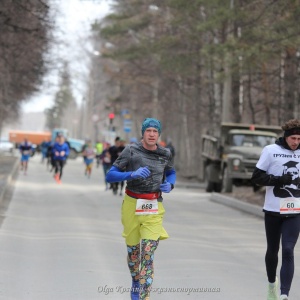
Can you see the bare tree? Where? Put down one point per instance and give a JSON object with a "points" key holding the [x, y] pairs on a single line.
{"points": [[24, 39]]}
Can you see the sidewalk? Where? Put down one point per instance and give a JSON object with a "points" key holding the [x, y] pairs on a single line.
{"points": [[8, 171], [223, 199]]}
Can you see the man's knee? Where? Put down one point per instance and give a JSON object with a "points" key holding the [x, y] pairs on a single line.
{"points": [[288, 250]]}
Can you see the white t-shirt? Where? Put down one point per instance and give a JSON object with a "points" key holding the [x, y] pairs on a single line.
{"points": [[278, 161]]}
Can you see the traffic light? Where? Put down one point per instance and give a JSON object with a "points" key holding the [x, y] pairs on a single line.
{"points": [[111, 117]]}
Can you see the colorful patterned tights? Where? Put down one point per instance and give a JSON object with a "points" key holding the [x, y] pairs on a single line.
{"points": [[140, 263]]}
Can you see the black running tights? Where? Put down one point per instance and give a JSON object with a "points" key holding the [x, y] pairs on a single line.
{"points": [[288, 230], [59, 164]]}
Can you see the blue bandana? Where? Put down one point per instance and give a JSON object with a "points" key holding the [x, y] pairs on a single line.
{"points": [[151, 122]]}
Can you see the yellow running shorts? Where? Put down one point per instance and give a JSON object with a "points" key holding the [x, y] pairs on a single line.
{"points": [[137, 227]]}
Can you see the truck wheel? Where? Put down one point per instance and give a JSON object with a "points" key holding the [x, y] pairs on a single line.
{"points": [[210, 186], [226, 182], [73, 154], [218, 187]]}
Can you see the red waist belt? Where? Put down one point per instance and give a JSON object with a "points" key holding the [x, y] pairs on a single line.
{"points": [[148, 196]]}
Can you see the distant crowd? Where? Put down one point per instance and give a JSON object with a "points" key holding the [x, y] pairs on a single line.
{"points": [[102, 153]]}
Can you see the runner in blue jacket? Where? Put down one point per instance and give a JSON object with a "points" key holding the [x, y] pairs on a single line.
{"points": [[60, 153]]}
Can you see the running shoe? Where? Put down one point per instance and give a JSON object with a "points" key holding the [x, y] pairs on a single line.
{"points": [[284, 297], [135, 290], [56, 177], [272, 290]]}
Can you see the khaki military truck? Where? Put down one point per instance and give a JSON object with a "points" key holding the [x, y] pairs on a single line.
{"points": [[230, 159]]}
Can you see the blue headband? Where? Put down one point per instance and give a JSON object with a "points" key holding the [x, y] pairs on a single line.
{"points": [[151, 122]]}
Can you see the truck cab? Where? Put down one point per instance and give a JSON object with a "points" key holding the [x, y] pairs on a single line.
{"points": [[240, 155], [230, 159]]}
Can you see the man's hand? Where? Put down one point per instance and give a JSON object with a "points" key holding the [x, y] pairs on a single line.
{"points": [[285, 179], [296, 181], [62, 153], [166, 187], [142, 172]]}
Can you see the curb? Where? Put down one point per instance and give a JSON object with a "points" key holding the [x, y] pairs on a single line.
{"points": [[9, 179], [237, 204], [225, 200], [189, 185]]}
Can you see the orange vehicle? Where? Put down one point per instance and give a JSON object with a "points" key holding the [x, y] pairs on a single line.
{"points": [[35, 137]]}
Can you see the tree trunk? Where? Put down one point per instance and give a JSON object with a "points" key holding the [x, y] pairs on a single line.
{"points": [[266, 89], [290, 84]]}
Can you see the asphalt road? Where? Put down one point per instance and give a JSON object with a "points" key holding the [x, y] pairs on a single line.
{"points": [[64, 242]]}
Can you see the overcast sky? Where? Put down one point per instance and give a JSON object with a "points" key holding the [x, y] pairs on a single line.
{"points": [[73, 19]]}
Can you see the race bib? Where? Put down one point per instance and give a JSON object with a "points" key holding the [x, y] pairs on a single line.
{"points": [[25, 152], [146, 207], [290, 206], [90, 157]]}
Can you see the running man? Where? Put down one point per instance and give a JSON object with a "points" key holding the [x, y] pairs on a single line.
{"points": [[114, 153], [26, 151], [50, 155], [83, 148], [278, 170], [106, 162], [44, 149], [99, 150], [149, 170], [120, 149], [60, 152], [89, 154]]}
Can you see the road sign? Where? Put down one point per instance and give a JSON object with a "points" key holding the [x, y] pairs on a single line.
{"points": [[127, 125], [124, 112]]}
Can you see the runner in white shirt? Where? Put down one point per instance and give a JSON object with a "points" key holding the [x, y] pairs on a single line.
{"points": [[278, 170]]}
